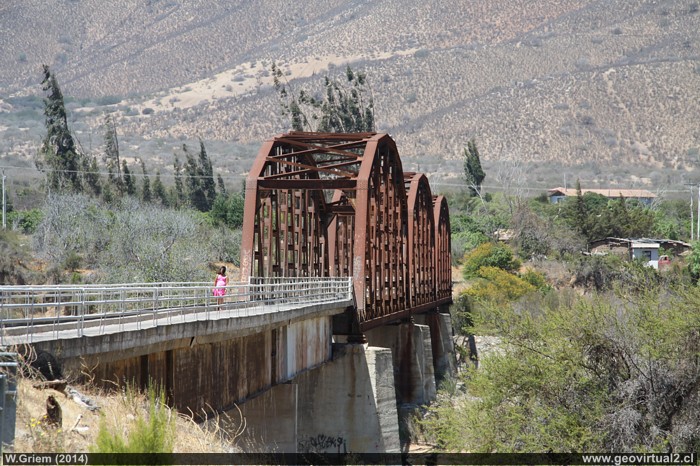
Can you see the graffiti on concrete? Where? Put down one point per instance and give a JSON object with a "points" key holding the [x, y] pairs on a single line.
{"points": [[322, 444]]}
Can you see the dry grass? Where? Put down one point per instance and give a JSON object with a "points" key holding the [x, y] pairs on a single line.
{"points": [[119, 410]]}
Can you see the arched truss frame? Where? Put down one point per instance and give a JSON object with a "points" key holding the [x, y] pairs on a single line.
{"points": [[443, 249], [320, 204], [421, 241]]}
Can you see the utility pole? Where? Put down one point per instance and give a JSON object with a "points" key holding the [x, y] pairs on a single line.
{"points": [[4, 204]]}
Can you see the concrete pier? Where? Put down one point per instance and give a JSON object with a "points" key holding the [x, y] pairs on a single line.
{"points": [[346, 405]]}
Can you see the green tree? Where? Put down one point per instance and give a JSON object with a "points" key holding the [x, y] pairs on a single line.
{"points": [[159, 191], [693, 262], [473, 173], [111, 155], [91, 174], [61, 158], [129, 184], [201, 188], [207, 183], [222, 186], [228, 210], [146, 195], [177, 194], [347, 105]]}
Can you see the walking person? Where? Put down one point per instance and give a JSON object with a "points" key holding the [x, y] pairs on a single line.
{"points": [[220, 283]]}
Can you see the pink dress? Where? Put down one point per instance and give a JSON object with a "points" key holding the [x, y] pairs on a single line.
{"points": [[220, 282]]}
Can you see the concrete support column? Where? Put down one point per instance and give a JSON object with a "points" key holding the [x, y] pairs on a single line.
{"points": [[442, 343], [411, 348]]}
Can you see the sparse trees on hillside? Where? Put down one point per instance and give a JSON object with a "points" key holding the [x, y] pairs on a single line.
{"points": [[60, 157], [346, 106]]}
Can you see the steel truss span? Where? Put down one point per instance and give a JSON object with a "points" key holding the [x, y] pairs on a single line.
{"points": [[340, 205]]}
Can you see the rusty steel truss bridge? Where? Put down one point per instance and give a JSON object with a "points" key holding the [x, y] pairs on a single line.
{"points": [[341, 205]]}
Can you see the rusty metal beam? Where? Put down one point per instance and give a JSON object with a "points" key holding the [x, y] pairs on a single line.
{"points": [[312, 184], [309, 168], [402, 315]]}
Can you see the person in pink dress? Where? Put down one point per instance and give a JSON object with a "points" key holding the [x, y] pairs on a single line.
{"points": [[220, 284]]}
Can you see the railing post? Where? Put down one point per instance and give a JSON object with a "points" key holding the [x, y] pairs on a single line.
{"points": [[83, 306], [8, 394]]}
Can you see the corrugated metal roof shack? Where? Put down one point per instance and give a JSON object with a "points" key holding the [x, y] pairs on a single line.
{"points": [[635, 248]]}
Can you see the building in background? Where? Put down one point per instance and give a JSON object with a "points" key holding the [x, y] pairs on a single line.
{"points": [[642, 195]]}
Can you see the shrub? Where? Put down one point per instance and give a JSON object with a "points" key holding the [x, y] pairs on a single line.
{"points": [[489, 255], [156, 434], [26, 220], [614, 372], [536, 279], [228, 209], [496, 284]]}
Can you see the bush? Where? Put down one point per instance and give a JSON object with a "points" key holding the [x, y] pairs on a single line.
{"points": [[489, 255], [497, 285], [228, 209], [536, 279], [613, 372], [153, 435], [26, 221]]}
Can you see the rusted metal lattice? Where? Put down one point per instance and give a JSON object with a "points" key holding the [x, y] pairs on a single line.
{"points": [[321, 204]]}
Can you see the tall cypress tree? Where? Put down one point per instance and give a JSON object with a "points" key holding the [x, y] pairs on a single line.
{"points": [[91, 174], [112, 155], [201, 187], [207, 176], [159, 190], [146, 186], [178, 191], [61, 158], [473, 173], [129, 185]]}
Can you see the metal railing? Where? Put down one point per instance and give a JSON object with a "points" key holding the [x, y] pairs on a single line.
{"points": [[26, 310]]}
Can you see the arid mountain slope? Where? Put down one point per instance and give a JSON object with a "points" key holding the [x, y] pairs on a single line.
{"points": [[578, 86]]}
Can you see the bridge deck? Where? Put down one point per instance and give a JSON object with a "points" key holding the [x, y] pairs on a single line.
{"points": [[276, 298]]}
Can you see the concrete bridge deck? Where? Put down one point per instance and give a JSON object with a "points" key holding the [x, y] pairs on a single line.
{"points": [[60, 313]]}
